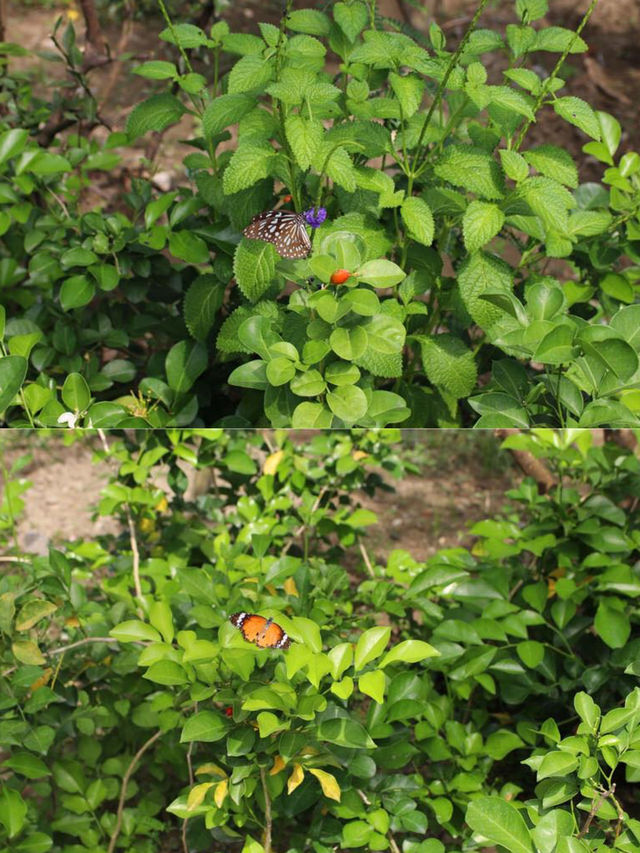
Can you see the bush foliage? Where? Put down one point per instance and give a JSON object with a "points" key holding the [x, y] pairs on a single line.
{"points": [[486, 283], [488, 696]]}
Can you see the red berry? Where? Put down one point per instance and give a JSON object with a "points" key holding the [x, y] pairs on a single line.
{"points": [[229, 711], [340, 276]]}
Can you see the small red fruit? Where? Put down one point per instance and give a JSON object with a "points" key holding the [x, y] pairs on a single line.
{"points": [[286, 198], [229, 711], [340, 276]]}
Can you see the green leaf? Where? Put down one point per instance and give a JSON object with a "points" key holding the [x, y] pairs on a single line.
{"points": [[308, 21], [225, 110], [134, 631], [185, 361], [201, 305], [76, 291], [156, 113], [249, 164], [304, 137], [161, 618], [311, 416], [471, 168], [380, 273], [613, 353], [559, 39], [188, 247], [555, 163], [557, 763], [344, 732], [513, 100], [385, 334], [483, 274], [13, 811], [373, 684], [311, 383], [184, 35], [75, 393], [500, 823], [480, 224], [253, 374], [418, 218], [166, 672], [13, 369], [280, 371], [157, 69], [579, 113], [205, 726], [612, 625], [449, 364], [28, 765], [409, 651], [352, 18], [557, 346], [348, 402], [409, 90], [249, 74], [587, 709], [12, 142], [370, 645], [531, 653], [349, 344], [254, 266]]}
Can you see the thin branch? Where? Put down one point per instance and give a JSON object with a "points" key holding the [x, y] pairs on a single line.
{"points": [[136, 556], [302, 527], [595, 805], [366, 559], [62, 649], [185, 847], [266, 841], [15, 559], [125, 781]]}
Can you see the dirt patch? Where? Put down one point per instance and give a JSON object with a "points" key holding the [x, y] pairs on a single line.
{"points": [[65, 488], [462, 479], [607, 77]]}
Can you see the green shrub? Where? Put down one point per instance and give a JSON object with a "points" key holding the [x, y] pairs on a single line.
{"points": [[488, 696], [443, 217]]}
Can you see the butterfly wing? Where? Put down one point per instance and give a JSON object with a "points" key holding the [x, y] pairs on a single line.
{"points": [[263, 632], [284, 229]]}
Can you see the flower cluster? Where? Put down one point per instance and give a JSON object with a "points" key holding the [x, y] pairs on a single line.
{"points": [[313, 218]]}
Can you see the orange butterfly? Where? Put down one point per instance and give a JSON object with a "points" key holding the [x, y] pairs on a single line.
{"points": [[265, 633]]}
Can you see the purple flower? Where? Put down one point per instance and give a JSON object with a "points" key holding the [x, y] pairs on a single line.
{"points": [[314, 219]]}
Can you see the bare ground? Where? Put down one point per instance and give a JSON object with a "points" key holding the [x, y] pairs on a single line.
{"points": [[461, 481]]}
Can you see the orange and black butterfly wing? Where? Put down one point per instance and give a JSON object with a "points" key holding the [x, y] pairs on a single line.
{"points": [[263, 632]]}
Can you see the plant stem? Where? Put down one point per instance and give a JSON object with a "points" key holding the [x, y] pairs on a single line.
{"points": [[549, 80], [266, 841], [441, 87]]}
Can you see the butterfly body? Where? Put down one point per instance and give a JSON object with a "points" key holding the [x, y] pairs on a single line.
{"points": [[265, 633], [284, 229]]}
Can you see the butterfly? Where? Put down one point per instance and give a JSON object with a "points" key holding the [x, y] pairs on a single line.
{"points": [[265, 633], [286, 230]]}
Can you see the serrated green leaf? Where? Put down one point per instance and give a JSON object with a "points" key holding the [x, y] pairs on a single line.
{"points": [[471, 168], [553, 162], [480, 224], [201, 305], [249, 74], [304, 137], [254, 266], [156, 113], [225, 110], [480, 274], [448, 364], [578, 112], [248, 165], [418, 218]]}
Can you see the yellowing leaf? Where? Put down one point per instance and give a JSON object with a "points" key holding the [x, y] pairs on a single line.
{"points": [[196, 795], [211, 769], [27, 652], [72, 622], [359, 454], [271, 462], [551, 590], [40, 682], [33, 611], [329, 784], [295, 779], [220, 792], [147, 525], [162, 505], [290, 587], [278, 765]]}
